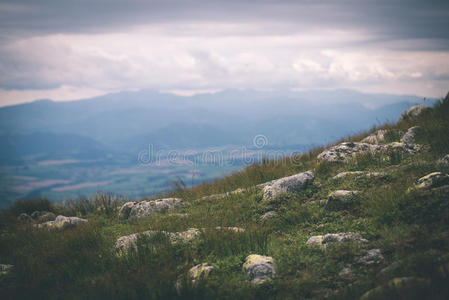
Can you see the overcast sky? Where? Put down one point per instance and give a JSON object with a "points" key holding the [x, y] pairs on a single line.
{"points": [[76, 49]]}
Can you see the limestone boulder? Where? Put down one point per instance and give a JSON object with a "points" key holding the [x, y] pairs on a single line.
{"points": [[259, 268], [63, 222], [413, 112], [410, 136], [330, 238], [147, 208], [345, 151], [129, 242], [376, 137], [290, 184]]}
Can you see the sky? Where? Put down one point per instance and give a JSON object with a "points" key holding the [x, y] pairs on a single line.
{"points": [[65, 50]]}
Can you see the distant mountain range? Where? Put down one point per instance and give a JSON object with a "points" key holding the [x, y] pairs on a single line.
{"points": [[125, 122]]}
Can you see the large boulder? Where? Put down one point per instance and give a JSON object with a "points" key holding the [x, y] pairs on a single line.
{"points": [[63, 222], [410, 136], [432, 180], [259, 268], [290, 184], [413, 112], [147, 208], [330, 238], [128, 242], [376, 137]]}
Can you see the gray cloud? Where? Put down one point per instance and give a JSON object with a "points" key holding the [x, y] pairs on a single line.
{"points": [[408, 19], [104, 45]]}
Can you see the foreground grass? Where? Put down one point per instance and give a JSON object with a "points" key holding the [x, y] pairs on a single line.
{"points": [[409, 227]]}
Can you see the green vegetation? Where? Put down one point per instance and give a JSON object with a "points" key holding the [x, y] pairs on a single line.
{"points": [[410, 227]]}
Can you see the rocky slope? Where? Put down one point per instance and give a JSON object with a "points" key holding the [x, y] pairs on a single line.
{"points": [[366, 218]]}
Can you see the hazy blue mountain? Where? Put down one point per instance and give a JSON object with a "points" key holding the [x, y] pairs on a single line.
{"points": [[63, 149]]}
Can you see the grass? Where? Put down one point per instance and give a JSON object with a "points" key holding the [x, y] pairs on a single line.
{"points": [[409, 226]]}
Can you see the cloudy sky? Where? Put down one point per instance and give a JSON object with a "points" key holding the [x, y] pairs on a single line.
{"points": [[76, 49]]}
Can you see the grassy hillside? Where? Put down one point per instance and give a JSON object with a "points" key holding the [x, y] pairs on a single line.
{"points": [[409, 226]]}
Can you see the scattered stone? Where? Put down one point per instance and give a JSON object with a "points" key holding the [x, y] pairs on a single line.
{"points": [[410, 136], [269, 215], [401, 147], [5, 269], [62, 222], [344, 151], [413, 112], [432, 180], [199, 272], [128, 242], [341, 198], [43, 216], [24, 218], [397, 286], [147, 208], [322, 240], [376, 137], [235, 229], [259, 269], [290, 184], [373, 256]]}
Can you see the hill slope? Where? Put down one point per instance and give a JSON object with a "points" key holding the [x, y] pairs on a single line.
{"points": [[364, 223]]}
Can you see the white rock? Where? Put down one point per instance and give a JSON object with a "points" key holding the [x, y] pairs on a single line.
{"points": [[259, 268], [410, 136], [413, 112], [63, 222], [345, 151], [376, 137], [290, 184], [323, 240], [147, 208], [128, 242]]}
